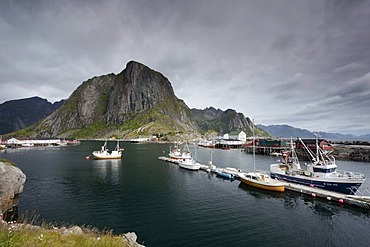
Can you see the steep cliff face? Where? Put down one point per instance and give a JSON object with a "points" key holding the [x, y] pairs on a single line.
{"points": [[137, 89], [18, 114], [137, 101]]}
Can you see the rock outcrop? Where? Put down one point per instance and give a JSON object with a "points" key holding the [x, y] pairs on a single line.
{"points": [[12, 180]]}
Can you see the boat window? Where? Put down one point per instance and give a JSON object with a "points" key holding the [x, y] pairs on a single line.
{"points": [[322, 170]]}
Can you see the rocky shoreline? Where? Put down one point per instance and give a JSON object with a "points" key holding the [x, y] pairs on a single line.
{"points": [[354, 152]]}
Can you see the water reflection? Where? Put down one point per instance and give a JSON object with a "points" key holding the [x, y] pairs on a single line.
{"points": [[260, 193], [108, 170]]}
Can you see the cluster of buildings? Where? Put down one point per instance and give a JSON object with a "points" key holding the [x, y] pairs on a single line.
{"points": [[14, 142], [238, 139]]}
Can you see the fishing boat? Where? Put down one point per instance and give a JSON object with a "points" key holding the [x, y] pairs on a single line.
{"points": [[177, 154], [104, 153], [260, 179], [189, 164], [321, 172]]}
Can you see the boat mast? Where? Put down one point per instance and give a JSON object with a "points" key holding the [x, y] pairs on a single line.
{"points": [[254, 148]]}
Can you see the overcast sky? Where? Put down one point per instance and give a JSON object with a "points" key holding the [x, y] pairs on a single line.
{"points": [[301, 63]]}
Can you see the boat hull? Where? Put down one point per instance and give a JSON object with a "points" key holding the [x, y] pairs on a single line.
{"points": [[190, 167], [225, 175], [271, 187], [345, 187]]}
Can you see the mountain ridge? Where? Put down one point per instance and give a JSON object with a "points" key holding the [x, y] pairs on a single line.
{"points": [[21, 113], [287, 131]]}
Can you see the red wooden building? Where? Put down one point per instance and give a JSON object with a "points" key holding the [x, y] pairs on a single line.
{"points": [[311, 144]]}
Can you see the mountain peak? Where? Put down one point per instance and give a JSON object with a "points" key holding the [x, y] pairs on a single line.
{"points": [[137, 100]]}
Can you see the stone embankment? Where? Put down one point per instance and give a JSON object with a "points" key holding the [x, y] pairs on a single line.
{"points": [[355, 152]]}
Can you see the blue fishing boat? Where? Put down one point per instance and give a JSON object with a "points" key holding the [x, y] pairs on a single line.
{"points": [[321, 172]]}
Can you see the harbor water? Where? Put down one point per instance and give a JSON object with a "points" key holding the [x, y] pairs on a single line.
{"points": [[169, 206]]}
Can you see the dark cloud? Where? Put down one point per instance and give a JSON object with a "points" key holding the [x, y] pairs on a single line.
{"points": [[303, 63]]}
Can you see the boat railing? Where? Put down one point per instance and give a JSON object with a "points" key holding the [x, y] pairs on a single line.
{"points": [[362, 191], [349, 174]]}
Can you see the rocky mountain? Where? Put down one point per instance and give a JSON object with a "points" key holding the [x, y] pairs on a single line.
{"points": [[137, 101], [18, 114], [224, 121]]}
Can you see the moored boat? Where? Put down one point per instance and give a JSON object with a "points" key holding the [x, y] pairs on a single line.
{"points": [[223, 174], [189, 164], [321, 172], [260, 179], [177, 154]]}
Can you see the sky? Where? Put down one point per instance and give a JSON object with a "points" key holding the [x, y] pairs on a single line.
{"points": [[303, 63]]}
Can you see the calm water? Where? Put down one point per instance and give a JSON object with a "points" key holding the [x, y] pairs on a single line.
{"points": [[169, 206]]}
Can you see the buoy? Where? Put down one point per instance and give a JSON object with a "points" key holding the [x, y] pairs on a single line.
{"points": [[340, 201], [313, 195], [87, 157], [328, 198]]}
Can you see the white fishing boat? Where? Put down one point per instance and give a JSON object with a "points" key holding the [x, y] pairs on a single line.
{"points": [[321, 172], [177, 154], [189, 164], [260, 179], [104, 153]]}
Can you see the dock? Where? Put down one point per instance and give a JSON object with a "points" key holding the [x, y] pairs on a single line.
{"points": [[353, 200], [358, 201]]}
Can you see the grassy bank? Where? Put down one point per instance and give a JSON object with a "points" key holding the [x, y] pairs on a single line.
{"points": [[28, 235]]}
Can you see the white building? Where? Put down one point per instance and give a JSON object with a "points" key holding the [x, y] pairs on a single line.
{"points": [[241, 136]]}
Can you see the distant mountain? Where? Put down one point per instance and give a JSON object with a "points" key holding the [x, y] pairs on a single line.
{"points": [[224, 121], [137, 101], [286, 131], [18, 114]]}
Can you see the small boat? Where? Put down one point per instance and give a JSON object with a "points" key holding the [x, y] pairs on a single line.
{"points": [[222, 174], [260, 179], [321, 172], [104, 153], [189, 164], [139, 140], [232, 170]]}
